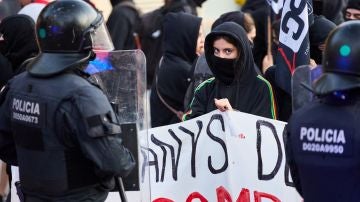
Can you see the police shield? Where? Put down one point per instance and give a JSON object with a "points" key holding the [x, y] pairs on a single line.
{"points": [[122, 77], [302, 80]]}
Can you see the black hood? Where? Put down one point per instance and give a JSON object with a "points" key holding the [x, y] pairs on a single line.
{"points": [[354, 4], [235, 16], [244, 67], [318, 33], [181, 31], [19, 39]]}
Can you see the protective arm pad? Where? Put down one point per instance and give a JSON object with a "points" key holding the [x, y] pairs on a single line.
{"points": [[98, 133]]}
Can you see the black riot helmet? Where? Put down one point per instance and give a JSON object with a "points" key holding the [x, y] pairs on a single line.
{"points": [[341, 60], [67, 32]]}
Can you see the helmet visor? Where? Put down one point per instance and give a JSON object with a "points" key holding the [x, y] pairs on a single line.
{"points": [[99, 36], [101, 40]]}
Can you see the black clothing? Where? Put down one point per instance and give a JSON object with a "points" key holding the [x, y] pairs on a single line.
{"points": [[234, 16], [180, 38], [353, 4], [322, 149], [5, 69], [282, 99], [122, 24], [151, 35], [247, 93], [318, 33], [259, 15], [66, 138], [19, 39], [332, 10]]}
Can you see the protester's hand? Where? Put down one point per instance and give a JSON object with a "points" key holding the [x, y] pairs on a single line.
{"points": [[223, 104], [312, 64], [267, 62]]}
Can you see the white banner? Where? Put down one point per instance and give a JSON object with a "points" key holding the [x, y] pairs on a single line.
{"points": [[229, 156], [276, 5], [294, 24]]}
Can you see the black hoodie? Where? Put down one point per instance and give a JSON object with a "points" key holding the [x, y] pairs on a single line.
{"points": [[122, 23], [248, 92], [18, 44], [181, 31]]}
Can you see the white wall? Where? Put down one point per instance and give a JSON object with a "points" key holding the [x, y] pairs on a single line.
{"points": [[212, 9]]}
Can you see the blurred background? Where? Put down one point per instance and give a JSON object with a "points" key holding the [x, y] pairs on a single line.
{"points": [[210, 10]]}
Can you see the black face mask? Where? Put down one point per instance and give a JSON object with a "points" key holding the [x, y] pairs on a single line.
{"points": [[223, 69]]}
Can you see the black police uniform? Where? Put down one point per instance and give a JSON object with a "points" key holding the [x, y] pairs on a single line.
{"points": [[323, 150], [323, 138], [65, 138], [55, 125]]}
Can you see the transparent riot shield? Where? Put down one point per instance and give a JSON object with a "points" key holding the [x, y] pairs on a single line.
{"points": [[122, 77], [302, 80]]}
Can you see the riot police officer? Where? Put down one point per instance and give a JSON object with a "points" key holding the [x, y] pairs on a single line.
{"points": [[54, 124], [323, 138]]}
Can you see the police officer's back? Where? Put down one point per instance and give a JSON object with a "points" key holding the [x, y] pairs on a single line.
{"points": [[323, 138], [56, 126]]}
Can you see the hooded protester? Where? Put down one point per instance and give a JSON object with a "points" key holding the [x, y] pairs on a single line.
{"points": [[236, 84], [122, 24], [151, 34], [182, 43], [318, 33], [352, 10], [332, 10], [201, 71], [17, 44]]}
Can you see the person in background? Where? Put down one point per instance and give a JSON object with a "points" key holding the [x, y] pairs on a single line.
{"points": [[123, 24], [352, 10], [152, 31], [259, 10], [183, 42], [59, 128], [318, 32], [236, 84], [18, 42], [323, 138], [332, 10]]}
